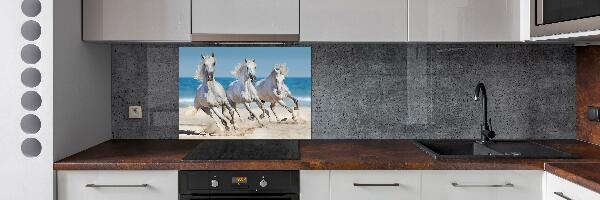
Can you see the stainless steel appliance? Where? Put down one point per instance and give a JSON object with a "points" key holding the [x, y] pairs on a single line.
{"points": [[552, 17], [238, 185]]}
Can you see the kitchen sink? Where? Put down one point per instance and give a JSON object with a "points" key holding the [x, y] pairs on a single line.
{"points": [[471, 149]]}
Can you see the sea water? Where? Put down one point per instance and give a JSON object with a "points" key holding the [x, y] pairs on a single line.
{"points": [[300, 87]]}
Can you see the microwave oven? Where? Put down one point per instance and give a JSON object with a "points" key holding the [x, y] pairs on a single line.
{"points": [[554, 17]]}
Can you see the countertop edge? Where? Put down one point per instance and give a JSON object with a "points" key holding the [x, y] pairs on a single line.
{"points": [[571, 176]]}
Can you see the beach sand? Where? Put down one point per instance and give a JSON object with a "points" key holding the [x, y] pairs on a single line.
{"points": [[201, 126]]}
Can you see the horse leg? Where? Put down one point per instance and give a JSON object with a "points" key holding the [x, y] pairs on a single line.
{"points": [[252, 114], [232, 120], [220, 118], [266, 111], [261, 106], [280, 102], [223, 108], [211, 114], [272, 106], [296, 107], [234, 105]]}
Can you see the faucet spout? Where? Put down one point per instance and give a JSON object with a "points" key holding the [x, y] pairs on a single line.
{"points": [[486, 133]]}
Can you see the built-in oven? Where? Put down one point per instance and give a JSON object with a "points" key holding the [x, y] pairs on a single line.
{"points": [[552, 17], [238, 185]]}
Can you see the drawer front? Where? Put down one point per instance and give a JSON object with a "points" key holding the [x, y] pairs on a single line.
{"points": [[482, 185], [117, 185], [375, 185], [560, 189]]}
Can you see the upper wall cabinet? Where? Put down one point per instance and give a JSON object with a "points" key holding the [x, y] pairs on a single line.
{"points": [[245, 20], [354, 20], [136, 20], [468, 21]]}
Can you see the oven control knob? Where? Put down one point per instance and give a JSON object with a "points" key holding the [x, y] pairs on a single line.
{"points": [[263, 183], [214, 183]]}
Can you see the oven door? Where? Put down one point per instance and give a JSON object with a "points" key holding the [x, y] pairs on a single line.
{"points": [[241, 196], [551, 17]]}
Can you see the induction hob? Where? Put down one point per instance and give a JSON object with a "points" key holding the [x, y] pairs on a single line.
{"points": [[245, 150]]}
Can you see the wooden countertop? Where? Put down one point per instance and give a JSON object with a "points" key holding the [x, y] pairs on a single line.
{"points": [[331, 155], [314, 155], [584, 174]]}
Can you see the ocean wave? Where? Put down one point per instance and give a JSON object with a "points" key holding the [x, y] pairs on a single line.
{"points": [[304, 99], [186, 100]]}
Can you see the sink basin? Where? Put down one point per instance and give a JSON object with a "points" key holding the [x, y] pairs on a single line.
{"points": [[469, 149]]}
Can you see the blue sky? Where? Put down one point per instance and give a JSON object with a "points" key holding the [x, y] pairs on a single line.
{"points": [[297, 59]]}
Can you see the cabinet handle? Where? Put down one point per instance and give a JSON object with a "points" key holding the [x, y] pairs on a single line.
{"points": [[376, 184], [115, 186], [562, 195], [468, 186]]}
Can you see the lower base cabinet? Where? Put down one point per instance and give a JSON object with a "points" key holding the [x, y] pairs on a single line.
{"points": [[117, 185], [341, 185], [421, 185], [560, 189], [314, 184], [482, 185], [375, 185]]}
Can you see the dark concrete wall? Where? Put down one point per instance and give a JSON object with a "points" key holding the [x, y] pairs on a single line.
{"points": [[383, 90]]}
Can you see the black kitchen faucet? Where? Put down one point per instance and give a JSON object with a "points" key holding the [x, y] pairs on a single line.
{"points": [[487, 134]]}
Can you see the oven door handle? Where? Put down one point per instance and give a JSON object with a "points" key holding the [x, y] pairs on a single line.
{"points": [[241, 196], [287, 196]]}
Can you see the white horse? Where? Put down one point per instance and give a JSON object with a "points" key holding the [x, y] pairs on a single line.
{"points": [[211, 93], [242, 90], [272, 89]]}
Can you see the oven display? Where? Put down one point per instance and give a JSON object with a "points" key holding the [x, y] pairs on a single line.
{"points": [[239, 180]]}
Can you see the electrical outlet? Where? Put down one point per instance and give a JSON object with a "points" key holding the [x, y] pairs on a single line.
{"points": [[135, 112]]}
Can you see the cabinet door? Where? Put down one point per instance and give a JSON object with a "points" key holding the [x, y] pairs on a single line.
{"points": [[354, 20], [468, 21], [117, 185], [136, 20], [560, 189], [482, 185], [375, 185], [314, 185], [228, 19]]}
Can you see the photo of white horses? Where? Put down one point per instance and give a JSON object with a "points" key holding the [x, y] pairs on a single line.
{"points": [[244, 93]]}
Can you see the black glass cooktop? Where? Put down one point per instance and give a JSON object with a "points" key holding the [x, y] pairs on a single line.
{"points": [[245, 150]]}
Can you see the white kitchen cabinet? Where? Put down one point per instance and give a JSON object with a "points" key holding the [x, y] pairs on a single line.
{"points": [[245, 20], [482, 185], [468, 21], [117, 185], [375, 185], [354, 20], [314, 184], [136, 20], [560, 189]]}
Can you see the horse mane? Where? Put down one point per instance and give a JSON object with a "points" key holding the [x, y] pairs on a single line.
{"points": [[238, 70], [283, 70]]}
